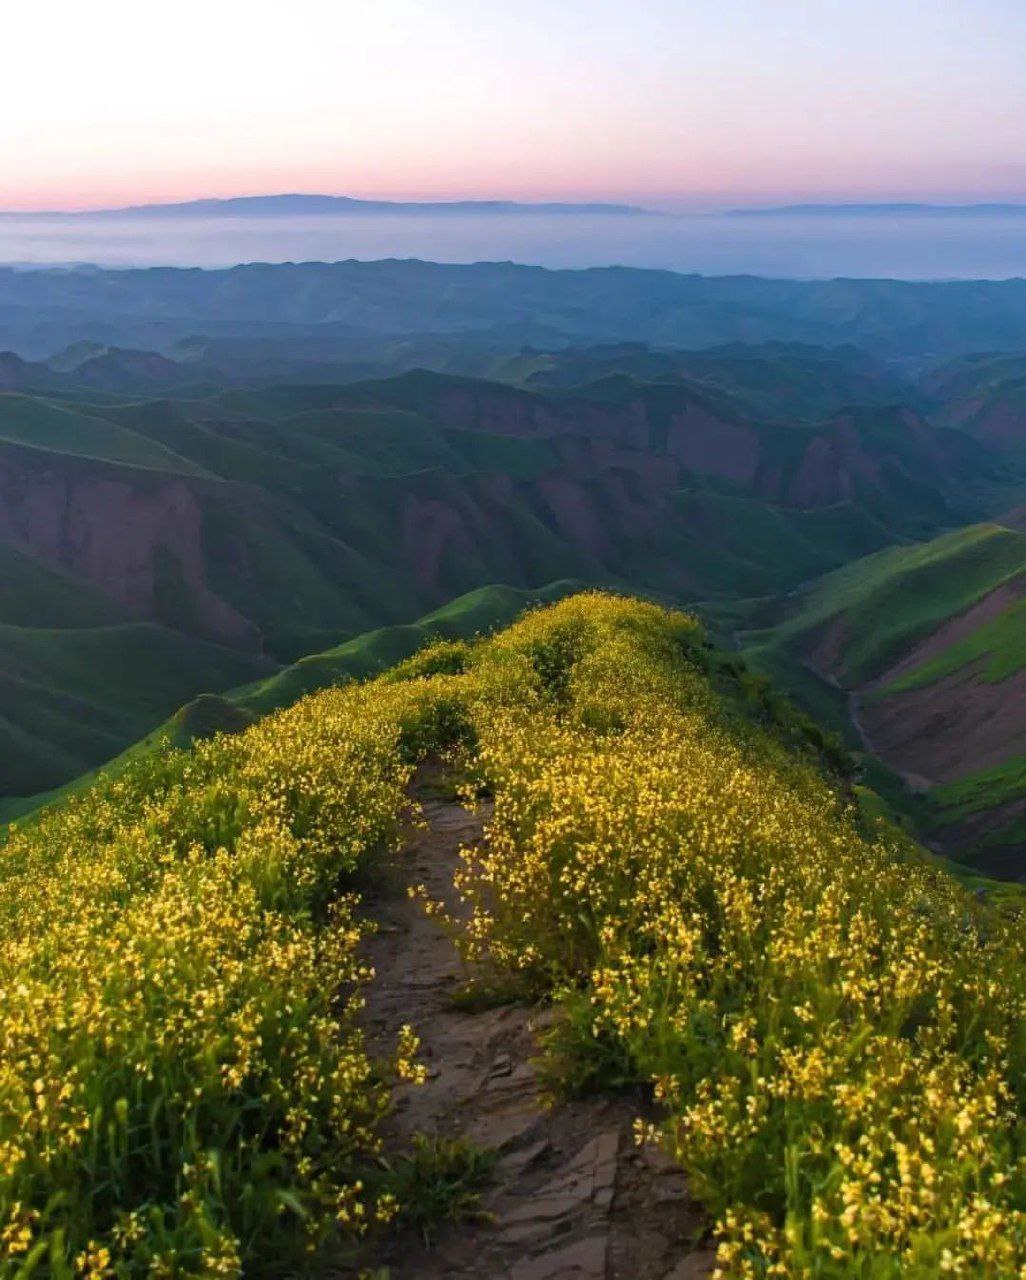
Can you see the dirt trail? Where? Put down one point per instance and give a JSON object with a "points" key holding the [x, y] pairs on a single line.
{"points": [[571, 1197]]}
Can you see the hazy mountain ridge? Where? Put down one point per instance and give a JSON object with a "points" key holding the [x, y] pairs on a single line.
{"points": [[262, 206], [501, 307], [884, 209]]}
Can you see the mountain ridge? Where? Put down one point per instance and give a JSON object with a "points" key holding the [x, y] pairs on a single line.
{"points": [[297, 203], [884, 208], [499, 307]]}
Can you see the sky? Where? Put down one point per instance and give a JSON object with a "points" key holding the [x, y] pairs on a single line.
{"points": [[670, 103]]}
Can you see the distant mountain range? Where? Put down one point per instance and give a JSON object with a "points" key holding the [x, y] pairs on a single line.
{"points": [[884, 210], [275, 206], [357, 311]]}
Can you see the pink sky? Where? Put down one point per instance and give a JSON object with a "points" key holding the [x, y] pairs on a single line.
{"points": [[656, 101]]}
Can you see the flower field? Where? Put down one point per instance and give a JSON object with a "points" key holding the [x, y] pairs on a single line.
{"points": [[181, 1082], [833, 1025]]}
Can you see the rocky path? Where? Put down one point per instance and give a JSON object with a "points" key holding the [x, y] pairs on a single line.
{"points": [[571, 1197]]}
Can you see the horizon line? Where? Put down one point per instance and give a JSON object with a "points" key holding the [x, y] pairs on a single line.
{"points": [[683, 204]]}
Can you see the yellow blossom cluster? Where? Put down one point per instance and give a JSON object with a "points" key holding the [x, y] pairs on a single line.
{"points": [[181, 1077], [835, 1027]]}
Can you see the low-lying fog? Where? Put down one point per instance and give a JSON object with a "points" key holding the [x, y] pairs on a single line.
{"points": [[911, 247]]}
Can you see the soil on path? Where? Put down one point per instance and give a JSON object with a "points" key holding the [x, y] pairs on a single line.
{"points": [[571, 1196]]}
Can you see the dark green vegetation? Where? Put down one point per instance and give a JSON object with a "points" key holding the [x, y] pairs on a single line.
{"points": [[71, 698], [165, 547], [180, 522], [984, 396], [772, 380], [478, 612]]}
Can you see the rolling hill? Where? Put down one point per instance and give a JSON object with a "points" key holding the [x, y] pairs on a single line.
{"points": [[136, 685], [984, 396], [771, 380], [248, 952], [928, 642], [248, 524]]}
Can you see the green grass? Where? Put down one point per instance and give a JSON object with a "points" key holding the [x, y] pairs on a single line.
{"points": [[74, 697], [737, 546], [32, 595], [998, 646], [988, 789], [43, 424], [438, 1181], [882, 607], [826, 702], [889, 601], [138, 667], [117, 690], [365, 655]]}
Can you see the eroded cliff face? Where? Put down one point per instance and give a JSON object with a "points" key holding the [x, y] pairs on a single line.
{"points": [[606, 507], [945, 731], [110, 527], [507, 412], [703, 443], [668, 432]]}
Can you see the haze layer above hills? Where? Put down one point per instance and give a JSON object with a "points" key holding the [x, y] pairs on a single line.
{"points": [[959, 244]]}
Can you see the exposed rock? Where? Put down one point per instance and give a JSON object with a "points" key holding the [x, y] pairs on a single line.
{"points": [[572, 1197], [108, 526]]}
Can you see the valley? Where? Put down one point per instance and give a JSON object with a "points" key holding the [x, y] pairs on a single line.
{"points": [[513, 642], [247, 518], [928, 643]]}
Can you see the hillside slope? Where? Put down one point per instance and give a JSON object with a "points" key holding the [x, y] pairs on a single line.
{"points": [[278, 520], [282, 520], [770, 380], [288, 516], [136, 697], [930, 642], [984, 396], [660, 856]]}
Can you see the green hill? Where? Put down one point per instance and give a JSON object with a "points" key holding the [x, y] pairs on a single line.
{"points": [[476, 612], [284, 520], [669, 861], [880, 606], [42, 424], [281, 520], [116, 688], [918, 655], [772, 380], [71, 698]]}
